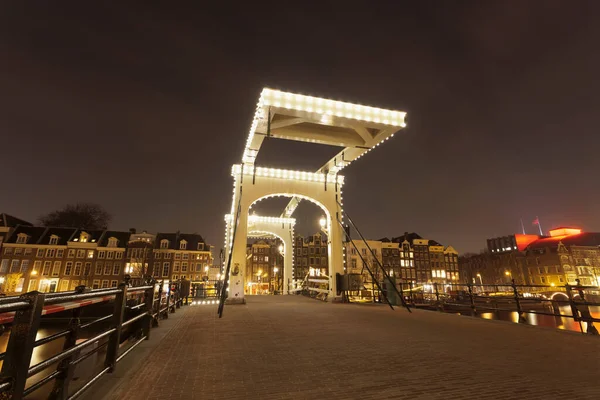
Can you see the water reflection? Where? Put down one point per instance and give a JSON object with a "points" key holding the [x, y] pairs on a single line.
{"points": [[548, 321]]}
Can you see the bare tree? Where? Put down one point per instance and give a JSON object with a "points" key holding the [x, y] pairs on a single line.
{"points": [[80, 215]]}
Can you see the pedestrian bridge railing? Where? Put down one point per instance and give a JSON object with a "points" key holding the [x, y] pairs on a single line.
{"points": [[134, 311], [567, 301]]}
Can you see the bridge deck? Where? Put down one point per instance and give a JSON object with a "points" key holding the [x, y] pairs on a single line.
{"points": [[290, 347]]}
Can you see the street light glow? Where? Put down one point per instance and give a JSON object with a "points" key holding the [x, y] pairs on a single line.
{"points": [[322, 222]]}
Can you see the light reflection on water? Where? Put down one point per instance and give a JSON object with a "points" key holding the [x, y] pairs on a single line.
{"points": [[40, 354], [548, 321]]}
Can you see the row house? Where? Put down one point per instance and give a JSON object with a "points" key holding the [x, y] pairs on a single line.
{"points": [[264, 267], [52, 259], [310, 255], [407, 258], [179, 256], [7, 224]]}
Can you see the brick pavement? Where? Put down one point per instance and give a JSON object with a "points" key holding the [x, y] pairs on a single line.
{"points": [[290, 347]]}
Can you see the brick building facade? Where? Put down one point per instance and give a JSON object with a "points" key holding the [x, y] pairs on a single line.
{"points": [[51, 259]]}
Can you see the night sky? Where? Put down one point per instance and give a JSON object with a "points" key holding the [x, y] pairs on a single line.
{"points": [[143, 109]]}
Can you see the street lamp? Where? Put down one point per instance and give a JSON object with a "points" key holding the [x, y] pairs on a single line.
{"points": [[322, 222], [480, 279]]}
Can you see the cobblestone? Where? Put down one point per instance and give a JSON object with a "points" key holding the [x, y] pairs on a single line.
{"points": [[291, 347]]}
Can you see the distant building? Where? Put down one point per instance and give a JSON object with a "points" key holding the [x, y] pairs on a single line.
{"points": [[409, 258], [51, 259], [264, 267], [59, 259], [181, 256], [310, 255], [564, 256]]}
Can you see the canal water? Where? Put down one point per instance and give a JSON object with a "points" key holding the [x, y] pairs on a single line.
{"points": [[48, 350], [547, 321]]}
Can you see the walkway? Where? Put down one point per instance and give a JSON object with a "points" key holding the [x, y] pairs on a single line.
{"points": [[290, 347]]}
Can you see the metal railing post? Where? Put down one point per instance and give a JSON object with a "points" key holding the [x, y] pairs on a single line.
{"points": [[521, 319], [20, 343], [149, 307], [112, 350], [585, 313], [61, 384], [574, 310], [471, 298]]}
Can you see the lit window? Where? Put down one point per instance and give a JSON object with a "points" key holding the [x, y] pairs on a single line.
{"points": [[53, 239], [112, 242], [182, 245], [164, 244]]}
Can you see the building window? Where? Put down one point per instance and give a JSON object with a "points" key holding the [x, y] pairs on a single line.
{"points": [[114, 283], [77, 270], [186, 256], [64, 285], [53, 239], [117, 269], [175, 277], [18, 251], [110, 255], [90, 254], [176, 266], [87, 269], [104, 284], [14, 266], [60, 253], [157, 255], [99, 267], [155, 269], [37, 266], [101, 254], [167, 256], [543, 279], [164, 244], [96, 284], [201, 246], [47, 266], [178, 256], [165, 271], [107, 269], [112, 242], [56, 268], [50, 253], [182, 245], [118, 255], [39, 253], [84, 237], [80, 253], [184, 266], [22, 238], [68, 268]]}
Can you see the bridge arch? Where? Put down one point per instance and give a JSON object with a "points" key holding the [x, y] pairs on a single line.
{"points": [[323, 190]]}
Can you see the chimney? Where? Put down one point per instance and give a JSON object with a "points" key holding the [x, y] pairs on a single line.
{"points": [[132, 231]]}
